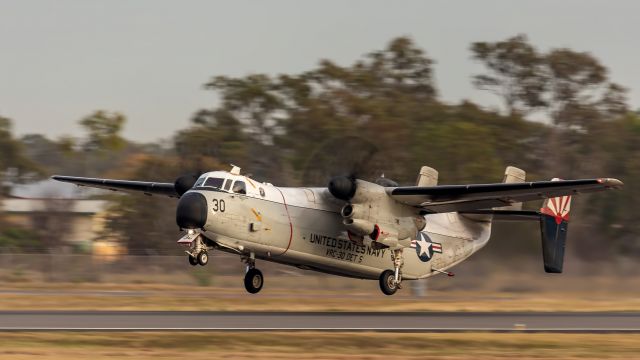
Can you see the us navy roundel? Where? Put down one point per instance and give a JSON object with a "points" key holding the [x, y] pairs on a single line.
{"points": [[425, 247]]}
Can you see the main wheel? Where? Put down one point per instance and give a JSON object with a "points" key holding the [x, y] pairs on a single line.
{"points": [[203, 258], [193, 261], [253, 281], [387, 282]]}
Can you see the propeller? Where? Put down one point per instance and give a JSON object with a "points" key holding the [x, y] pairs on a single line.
{"points": [[350, 156]]}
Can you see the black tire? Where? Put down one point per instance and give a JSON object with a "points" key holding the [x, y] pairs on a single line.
{"points": [[203, 258], [253, 281], [193, 261], [387, 283]]}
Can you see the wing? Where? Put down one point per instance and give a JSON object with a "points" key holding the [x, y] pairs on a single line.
{"points": [[148, 188], [450, 198]]}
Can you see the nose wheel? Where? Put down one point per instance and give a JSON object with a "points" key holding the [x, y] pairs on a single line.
{"points": [[203, 258]]}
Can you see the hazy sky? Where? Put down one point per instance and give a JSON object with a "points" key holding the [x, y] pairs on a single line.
{"points": [[62, 59]]}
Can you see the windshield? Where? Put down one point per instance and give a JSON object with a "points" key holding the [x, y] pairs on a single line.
{"points": [[214, 182]]}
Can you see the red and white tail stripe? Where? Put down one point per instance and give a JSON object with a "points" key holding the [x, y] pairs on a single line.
{"points": [[557, 207]]}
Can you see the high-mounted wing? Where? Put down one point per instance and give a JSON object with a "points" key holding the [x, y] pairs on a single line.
{"points": [[148, 188], [450, 198]]}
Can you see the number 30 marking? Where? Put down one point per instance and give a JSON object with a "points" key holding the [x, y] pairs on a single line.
{"points": [[218, 205]]}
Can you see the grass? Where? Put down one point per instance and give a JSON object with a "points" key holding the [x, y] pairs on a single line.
{"points": [[315, 345], [69, 296]]}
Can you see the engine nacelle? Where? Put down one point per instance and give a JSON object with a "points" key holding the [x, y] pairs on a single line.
{"points": [[359, 227], [355, 211], [385, 236], [372, 213]]}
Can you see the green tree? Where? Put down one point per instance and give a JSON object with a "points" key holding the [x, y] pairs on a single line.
{"points": [[516, 73], [146, 224], [580, 92], [12, 155], [104, 131]]}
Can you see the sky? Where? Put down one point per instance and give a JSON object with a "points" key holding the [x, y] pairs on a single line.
{"points": [[60, 60]]}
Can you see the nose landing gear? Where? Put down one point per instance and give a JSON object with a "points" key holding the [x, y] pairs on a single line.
{"points": [[197, 252]]}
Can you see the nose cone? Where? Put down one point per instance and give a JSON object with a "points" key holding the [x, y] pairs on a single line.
{"points": [[192, 211]]}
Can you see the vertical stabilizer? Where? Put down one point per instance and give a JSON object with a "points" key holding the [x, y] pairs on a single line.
{"points": [[513, 174], [428, 177], [554, 223]]}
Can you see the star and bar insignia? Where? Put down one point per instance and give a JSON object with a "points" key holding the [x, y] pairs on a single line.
{"points": [[425, 248]]}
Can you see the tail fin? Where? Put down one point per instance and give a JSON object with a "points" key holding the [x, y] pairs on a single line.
{"points": [[554, 223], [513, 174]]}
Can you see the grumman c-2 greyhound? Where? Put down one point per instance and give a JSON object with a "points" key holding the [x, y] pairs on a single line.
{"points": [[355, 228]]}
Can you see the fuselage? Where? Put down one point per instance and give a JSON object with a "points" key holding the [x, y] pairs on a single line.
{"points": [[303, 227]]}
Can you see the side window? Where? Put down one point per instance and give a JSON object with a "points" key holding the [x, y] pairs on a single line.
{"points": [[227, 184], [214, 182], [239, 187]]}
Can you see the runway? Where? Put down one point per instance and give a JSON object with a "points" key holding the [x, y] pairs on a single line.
{"points": [[323, 321]]}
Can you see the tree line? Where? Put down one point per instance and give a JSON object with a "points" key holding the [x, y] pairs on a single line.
{"points": [[559, 115]]}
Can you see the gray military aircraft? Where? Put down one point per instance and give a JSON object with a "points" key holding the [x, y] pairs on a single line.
{"points": [[355, 228]]}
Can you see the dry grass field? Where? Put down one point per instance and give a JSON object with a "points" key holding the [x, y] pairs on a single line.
{"points": [[314, 345], [68, 296]]}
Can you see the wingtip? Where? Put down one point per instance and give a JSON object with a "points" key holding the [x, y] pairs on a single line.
{"points": [[611, 183]]}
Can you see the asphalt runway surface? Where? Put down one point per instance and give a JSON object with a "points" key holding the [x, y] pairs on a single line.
{"points": [[333, 321]]}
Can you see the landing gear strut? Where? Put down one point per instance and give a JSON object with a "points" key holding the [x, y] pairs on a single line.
{"points": [[390, 280], [253, 279]]}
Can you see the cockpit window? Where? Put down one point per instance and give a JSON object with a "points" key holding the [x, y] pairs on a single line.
{"points": [[214, 182], [200, 181], [239, 187]]}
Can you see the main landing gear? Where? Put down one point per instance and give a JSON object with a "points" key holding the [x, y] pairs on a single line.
{"points": [[390, 280], [253, 279]]}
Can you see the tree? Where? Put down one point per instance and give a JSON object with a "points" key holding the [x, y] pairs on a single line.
{"points": [[572, 87], [580, 92], [146, 224], [104, 131], [12, 155], [516, 73]]}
